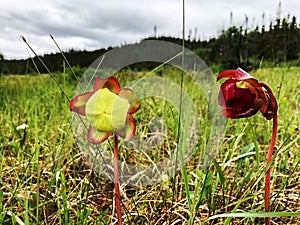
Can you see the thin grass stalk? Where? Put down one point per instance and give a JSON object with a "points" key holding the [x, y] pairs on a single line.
{"points": [[179, 150], [65, 58], [180, 139], [44, 65]]}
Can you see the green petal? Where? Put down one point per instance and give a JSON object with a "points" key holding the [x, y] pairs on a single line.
{"points": [[78, 103], [97, 137], [133, 100]]}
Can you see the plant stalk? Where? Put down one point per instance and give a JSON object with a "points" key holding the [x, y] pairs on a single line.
{"points": [[116, 179], [268, 174]]}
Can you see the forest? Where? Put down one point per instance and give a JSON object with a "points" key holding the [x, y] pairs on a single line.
{"points": [[274, 45]]}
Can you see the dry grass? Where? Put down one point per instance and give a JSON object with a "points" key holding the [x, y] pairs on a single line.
{"points": [[46, 179]]}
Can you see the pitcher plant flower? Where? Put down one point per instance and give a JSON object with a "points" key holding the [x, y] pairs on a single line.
{"points": [[240, 96], [108, 110]]}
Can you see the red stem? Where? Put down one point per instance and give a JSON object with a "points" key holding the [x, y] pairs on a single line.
{"points": [[268, 174], [116, 179]]}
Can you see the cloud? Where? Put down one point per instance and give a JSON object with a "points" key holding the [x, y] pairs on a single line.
{"points": [[93, 24]]}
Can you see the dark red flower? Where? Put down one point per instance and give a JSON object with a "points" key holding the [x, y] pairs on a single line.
{"points": [[242, 95]]}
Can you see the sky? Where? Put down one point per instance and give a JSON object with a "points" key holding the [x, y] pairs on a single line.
{"points": [[95, 24]]}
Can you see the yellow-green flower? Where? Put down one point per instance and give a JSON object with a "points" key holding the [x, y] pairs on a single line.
{"points": [[108, 109]]}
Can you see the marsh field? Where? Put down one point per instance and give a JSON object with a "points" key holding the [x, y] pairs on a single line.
{"points": [[46, 178]]}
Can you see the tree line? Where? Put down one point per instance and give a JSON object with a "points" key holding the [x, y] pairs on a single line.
{"points": [[274, 45]]}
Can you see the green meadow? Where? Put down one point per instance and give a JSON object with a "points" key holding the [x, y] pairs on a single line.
{"points": [[46, 178]]}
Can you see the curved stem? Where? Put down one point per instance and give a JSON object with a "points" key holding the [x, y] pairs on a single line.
{"points": [[116, 179], [268, 174]]}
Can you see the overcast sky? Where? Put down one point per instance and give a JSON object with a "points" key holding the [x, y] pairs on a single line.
{"points": [[94, 24]]}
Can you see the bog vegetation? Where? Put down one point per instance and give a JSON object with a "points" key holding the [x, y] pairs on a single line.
{"points": [[45, 178]]}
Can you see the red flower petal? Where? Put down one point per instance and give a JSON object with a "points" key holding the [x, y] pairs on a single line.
{"points": [[227, 92], [97, 137], [232, 113], [270, 108], [133, 100], [129, 131], [110, 83], [242, 75], [77, 104], [237, 102], [237, 74], [226, 74], [99, 83]]}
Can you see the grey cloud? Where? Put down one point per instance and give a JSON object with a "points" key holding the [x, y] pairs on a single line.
{"points": [[96, 24]]}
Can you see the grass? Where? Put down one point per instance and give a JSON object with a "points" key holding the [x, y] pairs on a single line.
{"points": [[46, 178]]}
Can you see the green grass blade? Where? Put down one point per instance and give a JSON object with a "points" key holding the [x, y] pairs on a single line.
{"points": [[256, 215]]}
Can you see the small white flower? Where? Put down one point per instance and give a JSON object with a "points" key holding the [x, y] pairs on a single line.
{"points": [[22, 126]]}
